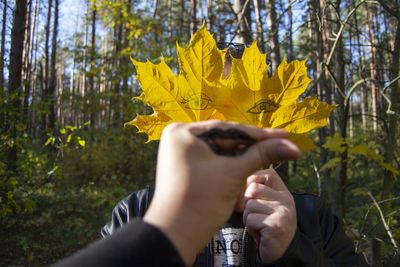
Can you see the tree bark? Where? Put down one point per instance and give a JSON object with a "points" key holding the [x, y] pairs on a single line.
{"points": [[14, 78], [290, 33], [209, 15], [243, 33], [193, 20], [93, 102], [27, 65], [372, 66], [46, 78], [273, 34], [259, 33], [2, 48], [52, 93]]}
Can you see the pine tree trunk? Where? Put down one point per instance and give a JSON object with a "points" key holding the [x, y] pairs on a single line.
{"points": [[169, 22], [92, 92], [26, 70], [372, 66], [259, 33], [193, 20], [363, 88], [52, 93], [343, 112], [243, 33], [273, 34], [209, 15], [2, 48], [14, 78], [290, 34]]}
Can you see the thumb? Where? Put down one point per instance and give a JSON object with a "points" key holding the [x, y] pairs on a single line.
{"points": [[269, 151]]}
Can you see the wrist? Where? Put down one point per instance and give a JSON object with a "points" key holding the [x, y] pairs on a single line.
{"points": [[177, 229]]}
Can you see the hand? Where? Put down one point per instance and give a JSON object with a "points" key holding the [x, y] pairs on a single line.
{"points": [[196, 188], [269, 214]]}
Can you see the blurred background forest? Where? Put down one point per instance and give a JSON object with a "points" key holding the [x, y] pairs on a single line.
{"points": [[66, 84]]}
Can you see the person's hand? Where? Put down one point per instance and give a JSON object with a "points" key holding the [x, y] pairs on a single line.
{"points": [[199, 179], [269, 214]]}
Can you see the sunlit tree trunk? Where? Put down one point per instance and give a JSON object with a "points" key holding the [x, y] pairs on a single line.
{"points": [[52, 93], [243, 33]]}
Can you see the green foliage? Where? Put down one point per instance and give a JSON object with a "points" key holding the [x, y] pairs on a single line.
{"points": [[67, 191]]}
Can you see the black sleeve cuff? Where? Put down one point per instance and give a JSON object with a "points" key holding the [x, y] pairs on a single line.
{"points": [[136, 244]]}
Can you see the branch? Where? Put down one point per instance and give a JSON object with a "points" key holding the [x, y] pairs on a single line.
{"points": [[389, 10], [339, 33], [388, 231], [389, 111], [354, 87]]}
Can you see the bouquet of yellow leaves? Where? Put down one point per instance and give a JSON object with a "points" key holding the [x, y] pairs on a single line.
{"points": [[247, 95]]}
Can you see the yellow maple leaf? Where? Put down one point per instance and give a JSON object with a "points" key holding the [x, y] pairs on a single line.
{"points": [[180, 98], [246, 96]]}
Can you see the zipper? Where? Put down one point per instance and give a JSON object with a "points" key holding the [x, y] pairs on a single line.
{"points": [[245, 247]]}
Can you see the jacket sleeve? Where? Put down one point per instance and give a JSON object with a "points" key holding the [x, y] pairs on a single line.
{"points": [[133, 206], [320, 239], [133, 245]]}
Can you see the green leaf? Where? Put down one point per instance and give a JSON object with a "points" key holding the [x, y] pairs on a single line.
{"points": [[69, 138], [72, 128], [62, 131], [49, 140], [82, 142], [332, 163]]}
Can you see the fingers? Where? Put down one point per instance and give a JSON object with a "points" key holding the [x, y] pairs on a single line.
{"points": [[259, 206], [269, 151], [254, 132], [268, 177]]}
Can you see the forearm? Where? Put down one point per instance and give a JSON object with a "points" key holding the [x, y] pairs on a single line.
{"points": [[136, 244]]}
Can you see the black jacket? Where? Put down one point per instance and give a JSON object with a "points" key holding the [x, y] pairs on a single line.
{"points": [[319, 240]]}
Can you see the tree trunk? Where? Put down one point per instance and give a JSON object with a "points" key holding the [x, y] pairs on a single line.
{"points": [[193, 20], [259, 33], [155, 5], [2, 48], [14, 78], [92, 67], [169, 23], [343, 112], [243, 33], [372, 66], [52, 94], [363, 88], [290, 34], [273, 34], [209, 15], [26, 70], [46, 65]]}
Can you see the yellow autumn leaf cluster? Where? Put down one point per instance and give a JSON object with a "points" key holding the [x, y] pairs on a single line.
{"points": [[248, 95]]}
